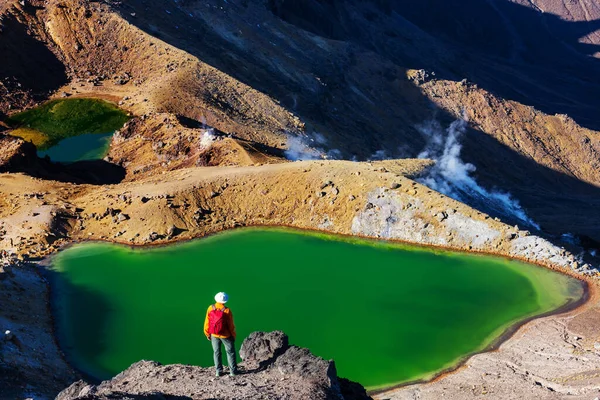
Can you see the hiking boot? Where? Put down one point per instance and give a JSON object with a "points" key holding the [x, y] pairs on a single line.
{"points": [[219, 373], [234, 372]]}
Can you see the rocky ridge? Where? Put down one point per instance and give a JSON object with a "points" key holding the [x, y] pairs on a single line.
{"points": [[177, 70], [272, 369]]}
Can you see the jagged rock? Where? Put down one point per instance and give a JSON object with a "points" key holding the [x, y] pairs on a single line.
{"points": [[301, 362], [352, 390], [510, 235], [173, 231], [15, 153], [76, 390], [263, 347], [305, 376], [325, 184]]}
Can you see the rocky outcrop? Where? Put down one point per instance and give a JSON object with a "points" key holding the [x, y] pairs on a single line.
{"points": [[261, 348], [272, 369], [15, 154]]}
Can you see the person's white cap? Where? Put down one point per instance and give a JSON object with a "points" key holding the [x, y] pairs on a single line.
{"points": [[221, 297]]}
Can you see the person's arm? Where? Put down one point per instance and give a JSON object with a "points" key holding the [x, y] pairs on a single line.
{"points": [[231, 324], [206, 324]]}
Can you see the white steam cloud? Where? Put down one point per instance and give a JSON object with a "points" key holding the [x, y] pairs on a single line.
{"points": [[305, 148], [452, 176], [208, 138]]}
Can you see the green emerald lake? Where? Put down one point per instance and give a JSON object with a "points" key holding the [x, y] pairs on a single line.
{"points": [[386, 313], [70, 130]]}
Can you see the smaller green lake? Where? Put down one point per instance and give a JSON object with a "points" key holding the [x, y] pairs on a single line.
{"points": [[70, 130], [385, 313]]}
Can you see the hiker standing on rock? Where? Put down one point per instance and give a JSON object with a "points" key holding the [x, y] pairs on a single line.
{"points": [[219, 328]]}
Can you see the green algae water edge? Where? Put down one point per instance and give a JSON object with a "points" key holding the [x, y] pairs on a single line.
{"points": [[385, 313], [70, 130]]}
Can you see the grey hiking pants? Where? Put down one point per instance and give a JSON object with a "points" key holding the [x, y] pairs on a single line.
{"points": [[229, 349]]}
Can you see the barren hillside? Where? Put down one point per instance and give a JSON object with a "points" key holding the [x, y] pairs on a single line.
{"points": [[260, 72], [502, 95]]}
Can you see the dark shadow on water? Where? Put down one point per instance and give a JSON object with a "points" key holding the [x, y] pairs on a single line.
{"points": [[90, 312], [94, 172]]}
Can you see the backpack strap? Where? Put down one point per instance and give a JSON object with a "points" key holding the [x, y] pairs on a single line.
{"points": [[213, 307]]}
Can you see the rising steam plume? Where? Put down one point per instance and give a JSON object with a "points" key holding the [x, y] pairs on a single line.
{"points": [[453, 177], [309, 147]]}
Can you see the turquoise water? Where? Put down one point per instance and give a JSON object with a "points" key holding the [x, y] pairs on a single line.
{"points": [[385, 313], [69, 130], [90, 146]]}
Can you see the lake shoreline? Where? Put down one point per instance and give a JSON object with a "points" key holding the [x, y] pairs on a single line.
{"points": [[243, 196], [588, 285], [590, 293], [309, 230]]}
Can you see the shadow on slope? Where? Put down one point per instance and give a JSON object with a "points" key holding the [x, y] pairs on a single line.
{"points": [[28, 61], [354, 91], [512, 50], [558, 202]]}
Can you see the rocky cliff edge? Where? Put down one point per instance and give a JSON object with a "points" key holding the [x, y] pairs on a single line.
{"points": [[272, 369]]}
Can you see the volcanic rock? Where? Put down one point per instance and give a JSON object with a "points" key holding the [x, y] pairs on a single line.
{"points": [[15, 153], [264, 347], [286, 372]]}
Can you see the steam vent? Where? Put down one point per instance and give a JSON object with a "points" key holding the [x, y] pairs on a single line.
{"points": [[324, 199]]}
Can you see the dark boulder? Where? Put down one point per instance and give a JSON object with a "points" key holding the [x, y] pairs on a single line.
{"points": [[15, 154], [302, 363], [262, 348]]}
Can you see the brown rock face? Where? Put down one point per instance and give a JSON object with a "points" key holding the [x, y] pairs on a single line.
{"points": [[262, 348], [15, 154], [284, 372]]}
